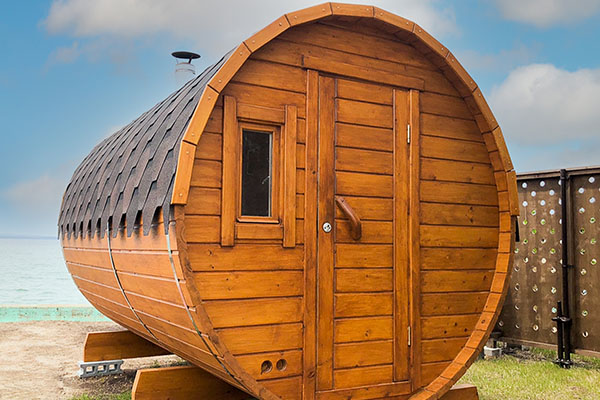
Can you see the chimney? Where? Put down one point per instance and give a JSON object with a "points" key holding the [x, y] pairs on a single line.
{"points": [[184, 69]]}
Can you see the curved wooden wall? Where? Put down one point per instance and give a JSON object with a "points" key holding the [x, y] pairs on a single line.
{"points": [[182, 291]]}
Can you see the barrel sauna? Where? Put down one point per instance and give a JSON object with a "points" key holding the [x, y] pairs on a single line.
{"points": [[326, 212]]}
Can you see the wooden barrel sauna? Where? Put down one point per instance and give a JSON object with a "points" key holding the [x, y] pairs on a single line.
{"points": [[327, 212]]}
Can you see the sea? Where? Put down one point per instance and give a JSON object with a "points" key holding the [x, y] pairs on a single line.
{"points": [[33, 271]]}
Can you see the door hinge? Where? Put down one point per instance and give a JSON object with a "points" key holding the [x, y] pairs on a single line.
{"points": [[408, 133], [409, 336]]}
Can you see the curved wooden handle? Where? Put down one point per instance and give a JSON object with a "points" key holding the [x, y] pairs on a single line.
{"points": [[355, 225]]}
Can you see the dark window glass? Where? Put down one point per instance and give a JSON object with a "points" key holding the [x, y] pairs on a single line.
{"points": [[256, 173]]}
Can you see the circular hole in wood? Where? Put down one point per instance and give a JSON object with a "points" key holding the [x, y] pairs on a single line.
{"points": [[266, 367], [281, 365]]}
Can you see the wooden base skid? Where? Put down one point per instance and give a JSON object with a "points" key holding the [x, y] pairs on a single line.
{"points": [[183, 382]]}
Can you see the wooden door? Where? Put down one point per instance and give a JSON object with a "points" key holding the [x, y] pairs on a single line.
{"points": [[363, 290]]}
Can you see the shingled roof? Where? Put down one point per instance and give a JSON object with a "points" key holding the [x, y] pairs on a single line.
{"points": [[129, 176]]}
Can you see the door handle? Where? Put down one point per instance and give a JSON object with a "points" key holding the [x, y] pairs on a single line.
{"points": [[355, 224]]}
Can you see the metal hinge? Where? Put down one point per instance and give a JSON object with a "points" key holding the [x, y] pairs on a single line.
{"points": [[409, 336], [408, 133]]}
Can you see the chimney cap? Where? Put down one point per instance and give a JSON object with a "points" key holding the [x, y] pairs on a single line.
{"points": [[185, 55]]}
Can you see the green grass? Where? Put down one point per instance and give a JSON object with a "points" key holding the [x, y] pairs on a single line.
{"points": [[532, 375]]}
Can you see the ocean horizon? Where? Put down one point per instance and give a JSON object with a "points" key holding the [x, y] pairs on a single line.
{"points": [[34, 273]]}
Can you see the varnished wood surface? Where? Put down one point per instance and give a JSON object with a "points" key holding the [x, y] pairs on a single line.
{"points": [[459, 192]]}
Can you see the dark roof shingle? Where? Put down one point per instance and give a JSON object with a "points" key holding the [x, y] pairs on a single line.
{"points": [[131, 173]]}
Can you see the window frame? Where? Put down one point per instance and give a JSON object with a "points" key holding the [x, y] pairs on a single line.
{"points": [[275, 131]]}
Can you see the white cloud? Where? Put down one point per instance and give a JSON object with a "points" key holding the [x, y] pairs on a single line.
{"points": [[40, 196], [544, 13], [215, 26], [544, 108]]}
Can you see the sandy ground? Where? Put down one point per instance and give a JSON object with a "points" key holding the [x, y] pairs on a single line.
{"points": [[39, 360]]}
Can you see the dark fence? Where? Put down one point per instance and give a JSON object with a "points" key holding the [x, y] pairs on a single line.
{"points": [[536, 283]]}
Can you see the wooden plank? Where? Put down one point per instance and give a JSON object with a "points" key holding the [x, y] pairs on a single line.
{"points": [[362, 329], [272, 75], [199, 119], [239, 285], [360, 184], [363, 280], [364, 137], [259, 231], [244, 257], [291, 361], [457, 171], [461, 392], [265, 338], [206, 201], [450, 149], [372, 93], [362, 376], [260, 114], [325, 240], [458, 258], [448, 326], [369, 208], [372, 232], [310, 236], [351, 10], [360, 160], [309, 14], [366, 114], [266, 97], [458, 236], [437, 350], [455, 281], [289, 176], [453, 303], [255, 311], [175, 383], [458, 214], [451, 128], [185, 165], [285, 388], [230, 162], [431, 371], [459, 193], [362, 354], [363, 304], [291, 53], [449, 106], [363, 256], [401, 233], [367, 74], [395, 390], [414, 247], [233, 64], [206, 173], [210, 146], [266, 34], [202, 229], [357, 43], [103, 346]]}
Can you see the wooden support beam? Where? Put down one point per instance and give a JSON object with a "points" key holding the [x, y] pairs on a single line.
{"points": [[184, 382], [102, 346], [461, 392]]}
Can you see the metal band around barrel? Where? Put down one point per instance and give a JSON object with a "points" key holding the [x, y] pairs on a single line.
{"points": [[112, 264], [187, 309]]}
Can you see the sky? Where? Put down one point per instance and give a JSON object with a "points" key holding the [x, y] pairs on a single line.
{"points": [[74, 71]]}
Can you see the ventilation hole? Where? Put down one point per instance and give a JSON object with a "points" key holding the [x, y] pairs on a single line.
{"points": [[266, 367], [281, 365]]}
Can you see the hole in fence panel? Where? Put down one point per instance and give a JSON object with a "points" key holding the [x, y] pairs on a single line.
{"points": [[266, 367]]}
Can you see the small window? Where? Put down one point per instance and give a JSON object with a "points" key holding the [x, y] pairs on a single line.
{"points": [[257, 171]]}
